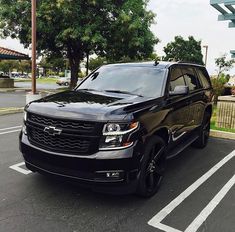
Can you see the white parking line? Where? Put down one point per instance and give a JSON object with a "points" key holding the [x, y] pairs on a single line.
{"points": [[10, 128], [8, 132], [17, 168], [197, 222], [156, 220]]}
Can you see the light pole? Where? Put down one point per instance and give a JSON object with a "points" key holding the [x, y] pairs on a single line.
{"points": [[33, 95], [206, 47], [34, 67]]}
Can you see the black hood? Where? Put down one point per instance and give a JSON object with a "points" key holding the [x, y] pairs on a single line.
{"points": [[88, 105]]}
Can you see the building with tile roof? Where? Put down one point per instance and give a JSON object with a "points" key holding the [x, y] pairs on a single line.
{"points": [[8, 54]]}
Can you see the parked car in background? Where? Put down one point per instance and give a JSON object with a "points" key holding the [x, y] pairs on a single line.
{"points": [[63, 81], [15, 74]]}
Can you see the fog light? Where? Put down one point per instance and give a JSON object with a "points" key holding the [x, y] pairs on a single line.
{"points": [[112, 174], [115, 175]]}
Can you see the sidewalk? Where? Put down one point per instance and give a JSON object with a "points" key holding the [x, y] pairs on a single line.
{"points": [[13, 99], [11, 110], [7, 90]]}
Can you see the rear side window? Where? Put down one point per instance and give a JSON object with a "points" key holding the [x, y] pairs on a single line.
{"points": [[176, 78], [203, 78], [190, 78]]}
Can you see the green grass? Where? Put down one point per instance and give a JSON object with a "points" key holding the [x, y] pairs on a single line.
{"points": [[39, 80], [213, 127], [47, 80], [213, 120]]}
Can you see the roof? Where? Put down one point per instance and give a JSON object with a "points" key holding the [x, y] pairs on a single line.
{"points": [[233, 53], [8, 54], [226, 9]]}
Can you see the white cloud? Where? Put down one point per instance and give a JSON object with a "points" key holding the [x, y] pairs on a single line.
{"points": [[181, 17], [196, 18], [13, 44]]}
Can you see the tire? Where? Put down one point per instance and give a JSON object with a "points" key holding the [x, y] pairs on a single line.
{"points": [[204, 132], [152, 168], [66, 84]]}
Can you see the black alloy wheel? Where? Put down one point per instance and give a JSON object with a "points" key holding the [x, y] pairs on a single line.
{"points": [[204, 132], [153, 167]]}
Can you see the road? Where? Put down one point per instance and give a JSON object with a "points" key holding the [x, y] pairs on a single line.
{"points": [[12, 99], [31, 202]]}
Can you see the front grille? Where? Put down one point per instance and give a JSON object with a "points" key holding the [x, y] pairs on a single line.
{"points": [[61, 123], [77, 137]]}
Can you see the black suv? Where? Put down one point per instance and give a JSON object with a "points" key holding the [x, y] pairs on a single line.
{"points": [[116, 129]]}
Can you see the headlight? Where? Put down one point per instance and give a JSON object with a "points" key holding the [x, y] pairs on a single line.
{"points": [[116, 135], [24, 130], [25, 116]]}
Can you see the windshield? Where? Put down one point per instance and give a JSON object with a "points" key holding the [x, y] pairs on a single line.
{"points": [[142, 81]]}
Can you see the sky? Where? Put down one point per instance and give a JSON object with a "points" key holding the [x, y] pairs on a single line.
{"points": [[193, 17], [182, 17]]}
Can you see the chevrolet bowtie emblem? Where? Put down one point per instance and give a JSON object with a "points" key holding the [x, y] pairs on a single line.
{"points": [[52, 130]]}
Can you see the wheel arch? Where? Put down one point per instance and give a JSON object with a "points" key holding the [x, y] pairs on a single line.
{"points": [[163, 133], [209, 110]]}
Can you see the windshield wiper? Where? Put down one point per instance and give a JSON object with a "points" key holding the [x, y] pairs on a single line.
{"points": [[89, 90], [124, 92]]}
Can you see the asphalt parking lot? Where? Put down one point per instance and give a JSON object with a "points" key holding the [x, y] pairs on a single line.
{"points": [[13, 99], [197, 194]]}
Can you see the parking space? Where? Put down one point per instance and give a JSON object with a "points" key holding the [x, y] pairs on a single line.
{"points": [[197, 195], [9, 122]]}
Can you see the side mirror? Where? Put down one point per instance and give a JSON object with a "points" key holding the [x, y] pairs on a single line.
{"points": [[180, 90]]}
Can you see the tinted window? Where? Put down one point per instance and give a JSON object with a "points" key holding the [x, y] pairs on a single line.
{"points": [[190, 78], [145, 81], [203, 75], [176, 78]]}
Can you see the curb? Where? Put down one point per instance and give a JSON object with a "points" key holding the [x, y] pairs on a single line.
{"points": [[28, 90], [222, 134], [10, 90], [5, 111]]}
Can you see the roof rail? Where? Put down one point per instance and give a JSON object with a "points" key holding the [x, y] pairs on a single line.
{"points": [[186, 62]]}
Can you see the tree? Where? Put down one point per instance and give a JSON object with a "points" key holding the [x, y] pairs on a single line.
{"points": [[96, 62], [129, 36], [8, 65], [75, 29], [24, 66], [184, 50], [223, 64], [53, 63], [218, 87]]}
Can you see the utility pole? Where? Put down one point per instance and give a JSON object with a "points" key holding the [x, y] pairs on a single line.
{"points": [[34, 65], [206, 56]]}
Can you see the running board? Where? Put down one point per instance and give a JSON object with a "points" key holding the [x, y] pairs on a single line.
{"points": [[181, 147]]}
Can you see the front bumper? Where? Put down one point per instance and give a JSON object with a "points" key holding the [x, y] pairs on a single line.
{"points": [[89, 171]]}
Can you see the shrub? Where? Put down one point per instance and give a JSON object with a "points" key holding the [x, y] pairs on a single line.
{"points": [[218, 86]]}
